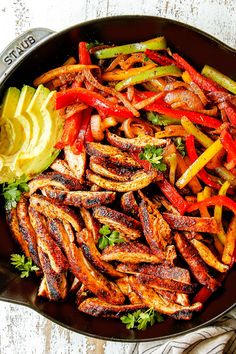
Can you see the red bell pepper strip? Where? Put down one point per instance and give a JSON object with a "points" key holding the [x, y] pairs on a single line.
{"points": [[203, 82], [93, 99], [173, 196], [158, 58], [84, 56], [203, 295], [79, 142], [215, 200], [144, 163], [229, 144], [88, 135], [230, 112], [192, 154], [195, 117], [70, 131]]}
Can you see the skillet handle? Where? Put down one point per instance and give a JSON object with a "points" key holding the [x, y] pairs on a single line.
{"points": [[17, 49]]}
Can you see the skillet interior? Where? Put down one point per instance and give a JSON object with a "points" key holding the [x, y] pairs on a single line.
{"points": [[194, 45]]}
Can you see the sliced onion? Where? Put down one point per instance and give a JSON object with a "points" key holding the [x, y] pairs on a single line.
{"points": [[117, 61], [96, 127], [148, 101], [186, 97]]}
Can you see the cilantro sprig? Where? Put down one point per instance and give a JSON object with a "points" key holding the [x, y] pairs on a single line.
{"points": [[162, 120], [108, 237], [154, 156], [141, 319], [12, 192], [180, 146], [23, 264]]}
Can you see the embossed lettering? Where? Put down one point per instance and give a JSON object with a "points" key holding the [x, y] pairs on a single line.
{"points": [[7, 60], [13, 54], [25, 44], [19, 50], [31, 39]]}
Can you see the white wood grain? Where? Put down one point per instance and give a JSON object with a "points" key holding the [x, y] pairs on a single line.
{"points": [[23, 331]]}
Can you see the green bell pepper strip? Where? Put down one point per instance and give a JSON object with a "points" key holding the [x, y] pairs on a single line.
{"points": [[154, 73], [158, 43], [220, 78]]}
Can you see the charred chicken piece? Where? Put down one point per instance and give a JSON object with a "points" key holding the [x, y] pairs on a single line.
{"points": [[54, 211], [112, 155], [133, 252], [76, 162], [135, 144], [92, 279], [139, 180], [120, 222], [84, 199], [91, 224], [54, 179], [151, 299], [129, 204], [90, 251], [61, 166], [98, 308], [196, 264]]}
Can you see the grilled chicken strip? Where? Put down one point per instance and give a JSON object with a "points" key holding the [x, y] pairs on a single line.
{"points": [[166, 284], [133, 252], [124, 285], [54, 179], [156, 230], [98, 308], [139, 180], [82, 294], [28, 232], [12, 220], [151, 299], [43, 289], [190, 223], [157, 270], [196, 264], [91, 224], [59, 234], [54, 211], [178, 298], [101, 167], [86, 199], [129, 204], [54, 263], [92, 279], [90, 251], [61, 166], [120, 222], [135, 144], [76, 162], [112, 155]]}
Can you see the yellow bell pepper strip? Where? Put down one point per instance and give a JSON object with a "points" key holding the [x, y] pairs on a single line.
{"points": [[172, 162], [202, 160], [198, 134], [171, 130], [215, 200], [230, 243], [218, 213], [118, 74], [226, 175], [183, 164], [158, 43], [203, 211], [170, 70], [221, 79]]}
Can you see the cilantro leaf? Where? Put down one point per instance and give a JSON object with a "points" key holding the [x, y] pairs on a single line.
{"points": [[162, 120], [108, 237], [12, 192], [180, 146], [141, 319], [154, 156], [23, 264], [94, 44]]}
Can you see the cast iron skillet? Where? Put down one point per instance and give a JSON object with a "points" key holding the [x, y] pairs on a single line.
{"points": [[196, 46]]}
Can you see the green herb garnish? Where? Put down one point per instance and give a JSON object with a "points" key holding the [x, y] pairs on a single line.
{"points": [[108, 237], [145, 58], [12, 192], [162, 120], [180, 146], [154, 156], [23, 264], [94, 44], [141, 320]]}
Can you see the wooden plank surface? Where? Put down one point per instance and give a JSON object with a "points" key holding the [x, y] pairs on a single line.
{"points": [[23, 331]]}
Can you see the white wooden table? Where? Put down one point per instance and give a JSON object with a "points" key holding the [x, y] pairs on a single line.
{"points": [[23, 331]]}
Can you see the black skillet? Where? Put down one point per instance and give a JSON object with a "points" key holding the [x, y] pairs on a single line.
{"points": [[40, 50]]}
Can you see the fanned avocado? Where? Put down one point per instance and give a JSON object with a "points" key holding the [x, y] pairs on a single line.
{"points": [[30, 127]]}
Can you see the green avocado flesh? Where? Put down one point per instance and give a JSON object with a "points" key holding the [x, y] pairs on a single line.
{"points": [[29, 129]]}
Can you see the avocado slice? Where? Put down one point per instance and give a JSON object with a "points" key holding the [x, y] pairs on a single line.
{"points": [[34, 111]]}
